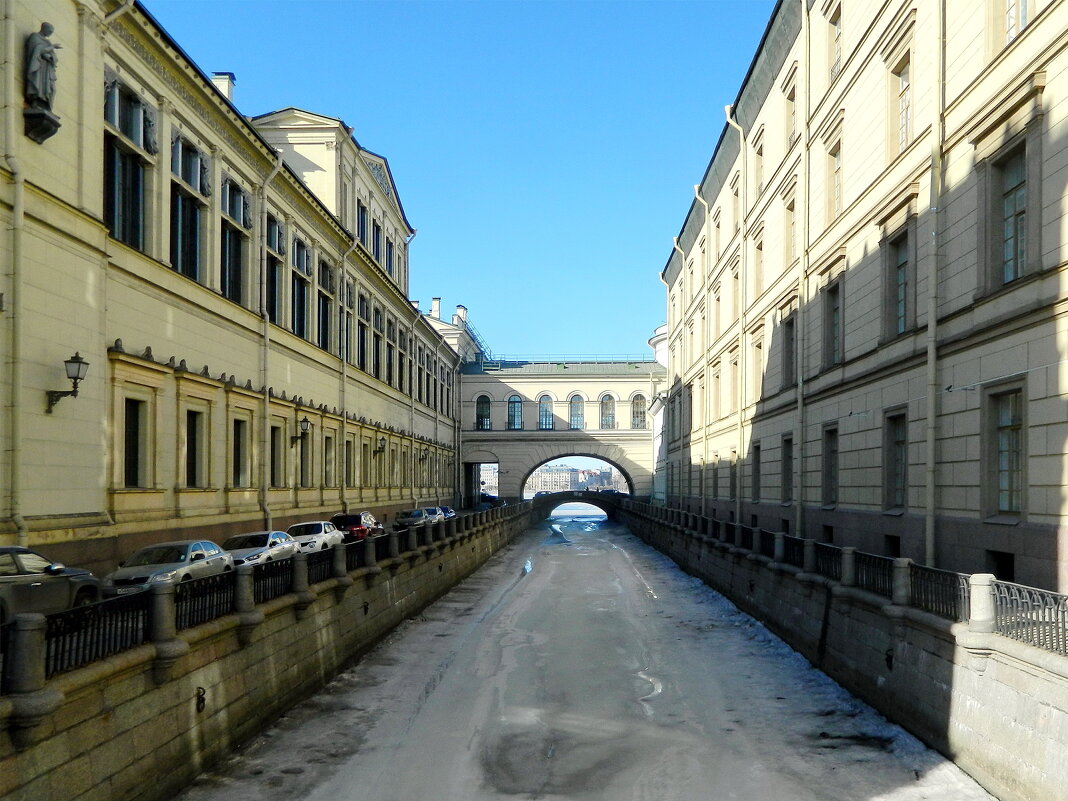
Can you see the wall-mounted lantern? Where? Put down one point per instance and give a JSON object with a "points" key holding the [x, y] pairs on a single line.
{"points": [[305, 427], [76, 368]]}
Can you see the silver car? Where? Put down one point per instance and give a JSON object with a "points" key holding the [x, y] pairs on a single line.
{"points": [[411, 517], [167, 562], [258, 547], [31, 582], [434, 514], [317, 535]]}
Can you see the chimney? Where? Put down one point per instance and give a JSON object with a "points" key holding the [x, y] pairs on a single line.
{"points": [[435, 308], [461, 314], [415, 305], [224, 82]]}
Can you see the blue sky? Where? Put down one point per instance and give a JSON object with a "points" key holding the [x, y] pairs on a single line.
{"points": [[545, 151]]}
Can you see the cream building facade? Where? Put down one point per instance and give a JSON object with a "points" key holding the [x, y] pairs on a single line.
{"points": [[867, 299], [226, 280]]}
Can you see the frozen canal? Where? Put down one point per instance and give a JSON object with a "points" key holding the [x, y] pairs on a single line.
{"points": [[584, 666]]}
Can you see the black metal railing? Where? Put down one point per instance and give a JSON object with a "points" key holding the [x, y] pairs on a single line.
{"points": [[199, 600], [874, 573], [5, 649], [829, 561], [1030, 615], [354, 555], [320, 565], [272, 580], [381, 547], [793, 551], [940, 592], [729, 532], [88, 633], [745, 537], [767, 543]]}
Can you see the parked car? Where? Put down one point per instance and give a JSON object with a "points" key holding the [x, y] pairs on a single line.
{"points": [[357, 525], [411, 517], [434, 514], [542, 493], [316, 535], [449, 512], [261, 546], [168, 561], [31, 582]]}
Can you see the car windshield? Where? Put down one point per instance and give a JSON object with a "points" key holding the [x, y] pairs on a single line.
{"points": [[304, 529], [413, 513], [431, 511], [245, 541], [158, 555]]}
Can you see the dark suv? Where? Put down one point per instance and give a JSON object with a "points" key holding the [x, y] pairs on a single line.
{"points": [[30, 582], [357, 525]]}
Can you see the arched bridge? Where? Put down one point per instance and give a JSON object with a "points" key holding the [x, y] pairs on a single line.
{"points": [[607, 502]]}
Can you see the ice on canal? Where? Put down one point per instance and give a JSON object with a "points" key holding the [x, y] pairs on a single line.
{"points": [[581, 664]]}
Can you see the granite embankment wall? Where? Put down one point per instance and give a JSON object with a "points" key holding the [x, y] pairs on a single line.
{"points": [[142, 724], [995, 706]]}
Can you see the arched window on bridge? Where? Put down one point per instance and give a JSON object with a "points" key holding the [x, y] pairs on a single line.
{"points": [[545, 413], [515, 413], [576, 416], [638, 412], [482, 413], [608, 412]]}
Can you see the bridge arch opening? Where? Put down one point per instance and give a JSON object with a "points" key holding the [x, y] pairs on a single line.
{"points": [[576, 472]]}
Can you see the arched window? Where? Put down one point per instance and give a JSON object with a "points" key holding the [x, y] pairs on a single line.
{"points": [[545, 413], [515, 413], [576, 416], [608, 412], [638, 412], [482, 413]]}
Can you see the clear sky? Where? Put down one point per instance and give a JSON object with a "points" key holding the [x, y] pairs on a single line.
{"points": [[546, 151]]}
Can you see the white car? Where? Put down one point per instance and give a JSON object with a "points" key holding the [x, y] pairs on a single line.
{"points": [[434, 514], [258, 547], [316, 535]]}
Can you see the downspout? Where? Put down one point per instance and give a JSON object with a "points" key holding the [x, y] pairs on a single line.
{"points": [[265, 346], [938, 132], [344, 341], [743, 279], [14, 411], [704, 328], [800, 326]]}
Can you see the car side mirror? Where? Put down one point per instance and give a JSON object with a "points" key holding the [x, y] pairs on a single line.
{"points": [[55, 568], [198, 557]]}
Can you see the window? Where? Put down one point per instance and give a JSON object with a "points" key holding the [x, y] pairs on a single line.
{"points": [[638, 412], [789, 245], [758, 265], [304, 460], [195, 440], [732, 488], [239, 453], [1004, 452], [189, 170], [278, 464], [832, 324], [275, 250], [789, 347], [376, 241], [389, 256], [787, 478], [903, 91], [545, 413], [830, 466], [135, 443], [1013, 216], [1018, 14], [299, 303], [895, 462], [758, 161], [756, 472], [736, 204], [608, 412], [576, 413], [364, 313], [515, 413], [715, 475], [361, 223], [900, 275], [835, 42], [790, 113], [756, 367], [482, 413], [128, 143], [350, 464], [232, 263], [834, 182], [325, 306]]}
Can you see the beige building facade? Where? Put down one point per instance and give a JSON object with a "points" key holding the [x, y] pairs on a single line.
{"points": [[867, 299], [238, 288]]}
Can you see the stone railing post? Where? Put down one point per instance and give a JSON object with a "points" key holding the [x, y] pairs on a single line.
{"points": [[413, 539], [451, 528], [809, 561], [982, 618], [779, 554], [248, 615], [340, 572], [31, 703], [849, 566], [902, 587], [301, 587], [370, 558], [164, 629], [394, 544]]}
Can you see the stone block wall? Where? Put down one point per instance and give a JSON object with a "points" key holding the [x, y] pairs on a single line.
{"points": [[117, 730]]}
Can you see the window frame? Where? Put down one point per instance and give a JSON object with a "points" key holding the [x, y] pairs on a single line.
{"points": [[991, 469], [515, 413], [896, 460], [546, 418], [483, 413]]}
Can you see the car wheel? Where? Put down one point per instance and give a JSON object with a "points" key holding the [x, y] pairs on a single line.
{"points": [[227, 568], [186, 577], [84, 598]]}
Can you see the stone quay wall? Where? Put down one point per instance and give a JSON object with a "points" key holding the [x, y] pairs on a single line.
{"points": [[997, 707], [142, 724]]}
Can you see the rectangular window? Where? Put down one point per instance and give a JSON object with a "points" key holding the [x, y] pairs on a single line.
{"points": [[1007, 409], [895, 462], [789, 234], [1018, 15], [903, 87], [834, 182], [787, 469], [835, 42], [232, 263], [790, 113], [361, 223], [756, 472], [830, 466], [832, 325], [758, 266], [732, 488], [124, 193], [305, 460], [758, 163], [789, 347], [274, 290], [239, 467], [350, 464], [278, 464], [185, 232], [324, 320], [134, 443], [299, 303], [1013, 216], [389, 256], [376, 241], [194, 449]]}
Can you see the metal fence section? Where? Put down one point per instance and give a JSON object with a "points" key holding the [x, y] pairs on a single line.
{"points": [[199, 600], [320, 565], [272, 580], [745, 537], [1030, 615], [793, 550], [940, 592], [5, 650], [829, 561], [874, 573], [354, 554], [88, 633], [381, 547], [767, 543]]}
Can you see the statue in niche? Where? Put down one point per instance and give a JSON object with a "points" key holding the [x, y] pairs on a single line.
{"points": [[41, 68], [39, 90]]}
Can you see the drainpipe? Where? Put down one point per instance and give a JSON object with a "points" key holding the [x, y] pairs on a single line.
{"points": [[800, 326], [14, 411], [114, 14], [938, 132], [343, 342], [743, 276], [265, 346], [704, 328]]}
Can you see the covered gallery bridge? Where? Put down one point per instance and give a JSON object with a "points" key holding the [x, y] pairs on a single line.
{"points": [[521, 414]]}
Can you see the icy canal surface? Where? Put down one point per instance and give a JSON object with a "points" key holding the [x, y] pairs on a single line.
{"points": [[580, 664]]}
